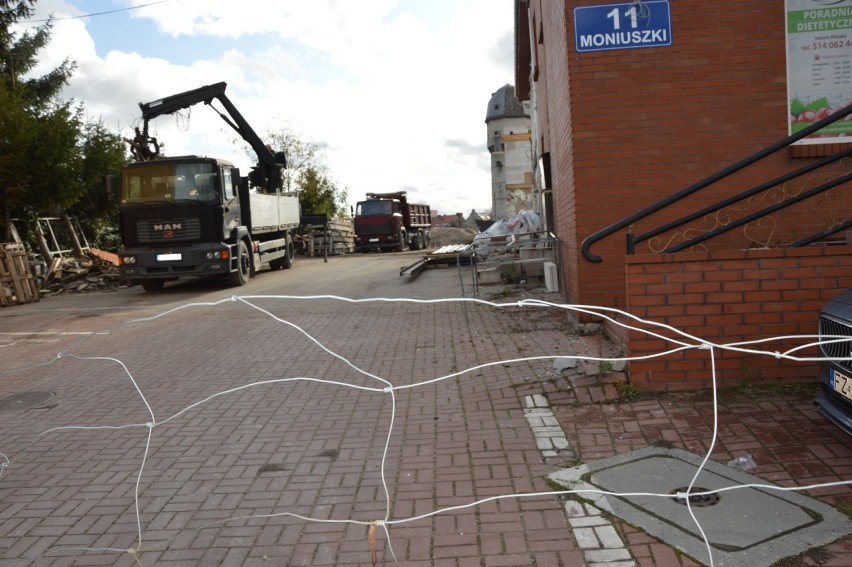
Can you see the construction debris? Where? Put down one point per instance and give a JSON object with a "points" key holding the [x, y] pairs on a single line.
{"points": [[82, 275], [327, 237], [443, 236], [443, 257]]}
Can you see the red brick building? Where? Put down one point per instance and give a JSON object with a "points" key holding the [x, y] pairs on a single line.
{"points": [[620, 128]]}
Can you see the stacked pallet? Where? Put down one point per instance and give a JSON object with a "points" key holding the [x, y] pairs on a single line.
{"points": [[335, 237], [17, 284]]}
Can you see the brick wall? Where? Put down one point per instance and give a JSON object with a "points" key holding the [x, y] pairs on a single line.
{"points": [[552, 91], [628, 127], [625, 128], [726, 297]]}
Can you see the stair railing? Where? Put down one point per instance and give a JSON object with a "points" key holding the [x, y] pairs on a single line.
{"points": [[630, 220]]}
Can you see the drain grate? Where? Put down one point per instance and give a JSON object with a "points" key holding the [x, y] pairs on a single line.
{"points": [[700, 500], [35, 399]]}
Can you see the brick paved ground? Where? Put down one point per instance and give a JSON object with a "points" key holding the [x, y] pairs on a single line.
{"points": [[290, 472]]}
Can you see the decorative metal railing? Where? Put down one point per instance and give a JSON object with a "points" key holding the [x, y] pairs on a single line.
{"points": [[824, 187]]}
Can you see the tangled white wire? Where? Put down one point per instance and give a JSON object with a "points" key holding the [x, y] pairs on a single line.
{"points": [[383, 386]]}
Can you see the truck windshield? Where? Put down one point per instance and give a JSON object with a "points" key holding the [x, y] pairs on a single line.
{"points": [[373, 208], [170, 182]]}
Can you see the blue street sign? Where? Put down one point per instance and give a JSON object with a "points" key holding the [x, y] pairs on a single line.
{"points": [[646, 23]]}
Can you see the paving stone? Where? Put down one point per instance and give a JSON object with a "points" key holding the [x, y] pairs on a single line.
{"points": [[453, 442]]}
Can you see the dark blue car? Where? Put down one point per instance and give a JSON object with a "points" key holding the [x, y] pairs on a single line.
{"points": [[834, 399]]}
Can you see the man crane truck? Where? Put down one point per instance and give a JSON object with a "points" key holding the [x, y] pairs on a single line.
{"points": [[387, 221], [195, 216]]}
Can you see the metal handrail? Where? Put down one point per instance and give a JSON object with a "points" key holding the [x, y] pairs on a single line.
{"points": [[719, 175]]}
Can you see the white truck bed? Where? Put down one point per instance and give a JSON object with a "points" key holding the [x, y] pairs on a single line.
{"points": [[270, 213]]}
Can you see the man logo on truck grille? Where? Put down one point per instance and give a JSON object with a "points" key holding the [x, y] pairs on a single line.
{"points": [[168, 228]]}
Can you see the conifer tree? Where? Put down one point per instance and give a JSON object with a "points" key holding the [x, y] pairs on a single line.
{"points": [[48, 152]]}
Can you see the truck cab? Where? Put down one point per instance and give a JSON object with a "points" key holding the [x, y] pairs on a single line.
{"points": [[176, 215], [195, 216], [379, 225]]}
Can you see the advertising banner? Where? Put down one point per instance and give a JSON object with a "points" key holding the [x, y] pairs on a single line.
{"points": [[819, 66]]}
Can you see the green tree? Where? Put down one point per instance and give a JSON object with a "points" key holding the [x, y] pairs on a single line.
{"points": [[319, 194], [49, 155], [101, 152], [38, 131], [300, 155], [308, 174]]}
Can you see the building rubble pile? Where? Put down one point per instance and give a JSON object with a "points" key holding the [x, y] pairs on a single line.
{"points": [[80, 275], [502, 235]]}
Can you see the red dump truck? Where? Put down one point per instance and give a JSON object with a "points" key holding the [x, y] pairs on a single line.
{"points": [[387, 221]]}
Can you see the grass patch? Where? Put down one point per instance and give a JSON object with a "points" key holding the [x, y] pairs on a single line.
{"points": [[627, 392]]}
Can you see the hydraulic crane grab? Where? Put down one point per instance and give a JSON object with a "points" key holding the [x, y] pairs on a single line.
{"points": [[265, 175]]}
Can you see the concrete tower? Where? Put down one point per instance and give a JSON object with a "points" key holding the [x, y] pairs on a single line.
{"points": [[509, 142]]}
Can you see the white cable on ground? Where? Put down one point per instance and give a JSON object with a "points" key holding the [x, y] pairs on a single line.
{"points": [[680, 340]]}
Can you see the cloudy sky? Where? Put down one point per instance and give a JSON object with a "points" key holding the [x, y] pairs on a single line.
{"points": [[397, 90]]}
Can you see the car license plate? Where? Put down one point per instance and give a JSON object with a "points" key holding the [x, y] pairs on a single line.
{"points": [[169, 257], [374, 240], [841, 383]]}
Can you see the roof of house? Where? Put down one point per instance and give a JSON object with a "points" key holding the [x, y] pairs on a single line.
{"points": [[504, 104]]}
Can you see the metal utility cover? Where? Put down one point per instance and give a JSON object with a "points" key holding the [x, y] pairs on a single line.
{"points": [[753, 526], [35, 399]]}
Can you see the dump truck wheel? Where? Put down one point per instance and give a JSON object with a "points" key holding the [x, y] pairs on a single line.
{"points": [[400, 246]]}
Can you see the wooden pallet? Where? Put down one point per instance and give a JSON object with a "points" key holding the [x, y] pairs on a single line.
{"points": [[17, 284]]}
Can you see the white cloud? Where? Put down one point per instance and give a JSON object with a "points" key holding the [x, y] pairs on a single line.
{"points": [[397, 90]]}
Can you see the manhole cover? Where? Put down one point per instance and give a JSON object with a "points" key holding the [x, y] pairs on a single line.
{"points": [[756, 525], [699, 500], [27, 400]]}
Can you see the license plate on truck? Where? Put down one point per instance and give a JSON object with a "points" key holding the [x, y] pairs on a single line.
{"points": [[842, 384], [169, 257], [374, 240]]}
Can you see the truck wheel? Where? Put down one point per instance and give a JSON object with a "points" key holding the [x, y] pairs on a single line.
{"points": [[153, 285], [415, 241], [400, 246], [421, 241], [287, 260], [241, 276]]}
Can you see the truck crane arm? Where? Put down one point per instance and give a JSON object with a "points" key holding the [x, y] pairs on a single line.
{"points": [[267, 172]]}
